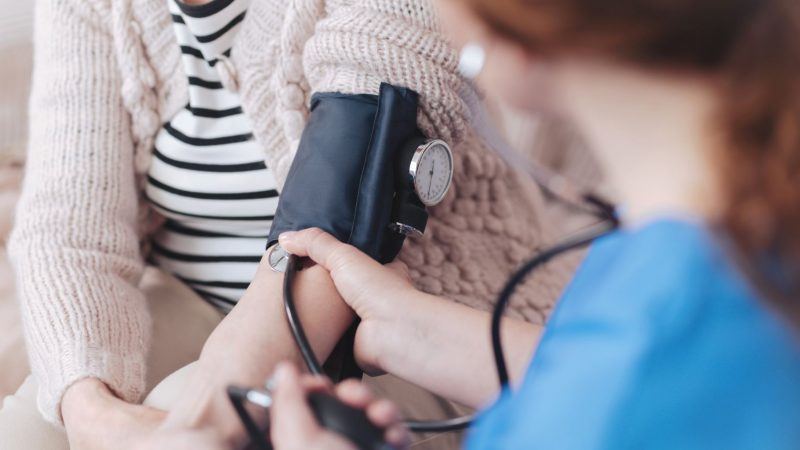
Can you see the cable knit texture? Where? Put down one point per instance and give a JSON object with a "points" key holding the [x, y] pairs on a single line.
{"points": [[107, 75]]}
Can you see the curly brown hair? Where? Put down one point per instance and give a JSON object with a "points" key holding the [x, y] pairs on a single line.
{"points": [[752, 47]]}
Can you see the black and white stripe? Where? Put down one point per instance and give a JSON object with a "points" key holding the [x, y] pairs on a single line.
{"points": [[208, 176]]}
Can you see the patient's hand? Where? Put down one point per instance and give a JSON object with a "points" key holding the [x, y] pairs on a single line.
{"points": [[95, 419], [182, 439]]}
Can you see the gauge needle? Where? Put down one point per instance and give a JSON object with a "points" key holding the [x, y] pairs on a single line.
{"points": [[431, 182]]}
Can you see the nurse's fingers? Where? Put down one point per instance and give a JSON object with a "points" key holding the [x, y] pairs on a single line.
{"points": [[317, 383], [354, 393], [398, 436], [292, 419], [383, 413], [325, 250]]}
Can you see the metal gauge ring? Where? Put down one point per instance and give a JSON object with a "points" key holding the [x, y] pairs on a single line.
{"points": [[431, 171]]}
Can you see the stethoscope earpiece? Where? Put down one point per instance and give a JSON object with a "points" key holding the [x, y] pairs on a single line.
{"points": [[471, 60]]}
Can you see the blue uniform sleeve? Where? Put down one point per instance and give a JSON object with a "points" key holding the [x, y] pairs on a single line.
{"points": [[655, 346]]}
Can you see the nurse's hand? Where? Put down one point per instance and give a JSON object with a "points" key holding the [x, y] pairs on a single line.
{"points": [[367, 286], [375, 292], [430, 341], [293, 424]]}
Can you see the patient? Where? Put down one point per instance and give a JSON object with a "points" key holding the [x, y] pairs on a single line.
{"points": [[161, 132], [680, 329]]}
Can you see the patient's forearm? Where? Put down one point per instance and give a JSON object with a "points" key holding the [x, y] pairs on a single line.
{"points": [[256, 331], [445, 347], [254, 337]]}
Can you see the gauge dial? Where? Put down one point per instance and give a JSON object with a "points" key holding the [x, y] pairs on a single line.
{"points": [[432, 171]]}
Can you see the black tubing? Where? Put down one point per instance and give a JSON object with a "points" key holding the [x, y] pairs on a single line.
{"points": [[602, 209], [292, 317], [458, 423], [504, 299], [238, 396], [440, 426]]}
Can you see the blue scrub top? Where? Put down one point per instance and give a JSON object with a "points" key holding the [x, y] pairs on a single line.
{"points": [[659, 342]]}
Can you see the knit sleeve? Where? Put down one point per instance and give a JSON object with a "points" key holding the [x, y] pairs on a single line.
{"points": [[492, 219], [74, 246], [256, 54], [359, 44], [308, 46]]}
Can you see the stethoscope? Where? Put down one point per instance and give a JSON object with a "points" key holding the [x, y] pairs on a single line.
{"points": [[353, 423]]}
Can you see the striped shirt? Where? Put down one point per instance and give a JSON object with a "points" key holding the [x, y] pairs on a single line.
{"points": [[208, 176]]}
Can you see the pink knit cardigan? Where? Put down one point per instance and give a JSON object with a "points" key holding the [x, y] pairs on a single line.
{"points": [[107, 75]]}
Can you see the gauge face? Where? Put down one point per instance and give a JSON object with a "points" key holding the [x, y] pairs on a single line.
{"points": [[432, 171]]}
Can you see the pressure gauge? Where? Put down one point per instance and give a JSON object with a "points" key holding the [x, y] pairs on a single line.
{"points": [[431, 171]]}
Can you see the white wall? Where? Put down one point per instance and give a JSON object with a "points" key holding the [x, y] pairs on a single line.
{"points": [[15, 21], [15, 67]]}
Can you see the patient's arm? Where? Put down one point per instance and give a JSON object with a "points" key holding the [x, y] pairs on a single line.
{"points": [[433, 342], [253, 338]]}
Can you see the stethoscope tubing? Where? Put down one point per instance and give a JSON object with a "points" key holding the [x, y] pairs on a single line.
{"points": [[609, 222], [311, 361]]}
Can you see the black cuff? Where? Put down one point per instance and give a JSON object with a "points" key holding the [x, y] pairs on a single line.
{"points": [[344, 178]]}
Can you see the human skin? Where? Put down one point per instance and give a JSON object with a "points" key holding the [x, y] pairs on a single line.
{"points": [[96, 419], [410, 341], [418, 345], [243, 349], [252, 339], [293, 417], [401, 329]]}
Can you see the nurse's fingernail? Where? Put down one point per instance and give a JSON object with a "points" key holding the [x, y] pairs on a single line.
{"points": [[271, 384], [286, 236], [283, 372]]}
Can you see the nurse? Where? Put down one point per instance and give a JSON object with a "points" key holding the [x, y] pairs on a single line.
{"points": [[680, 329]]}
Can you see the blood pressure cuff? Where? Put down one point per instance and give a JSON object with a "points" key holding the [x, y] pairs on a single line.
{"points": [[344, 176]]}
